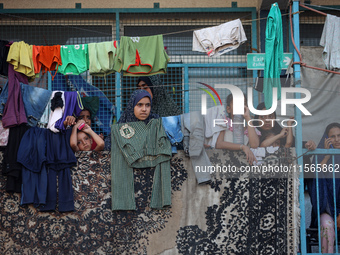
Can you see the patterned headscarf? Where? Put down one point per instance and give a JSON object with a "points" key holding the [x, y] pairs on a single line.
{"points": [[129, 115], [162, 104]]}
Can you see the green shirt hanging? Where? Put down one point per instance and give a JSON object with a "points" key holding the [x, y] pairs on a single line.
{"points": [[274, 55], [140, 145]]}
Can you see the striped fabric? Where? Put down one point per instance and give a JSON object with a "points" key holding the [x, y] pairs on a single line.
{"points": [[140, 145]]}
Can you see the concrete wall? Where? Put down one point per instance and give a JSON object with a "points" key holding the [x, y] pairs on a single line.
{"points": [[39, 4]]}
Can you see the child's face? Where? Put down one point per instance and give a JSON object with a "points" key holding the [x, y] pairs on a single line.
{"points": [[334, 135], [86, 116], [84, 142]]}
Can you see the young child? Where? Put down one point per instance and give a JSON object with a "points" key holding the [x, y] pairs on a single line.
{"points": [[82, 140], [84, 115], [225, 138]]}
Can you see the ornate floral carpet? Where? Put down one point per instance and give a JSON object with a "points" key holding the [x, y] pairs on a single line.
{"points": [[243, 214]]}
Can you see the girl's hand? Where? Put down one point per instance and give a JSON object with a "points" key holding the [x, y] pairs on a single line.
{"points": [[249, 154], [87, 129], [69, 121], [283, 132], [246, 114], [79, 122], [310, 145]]}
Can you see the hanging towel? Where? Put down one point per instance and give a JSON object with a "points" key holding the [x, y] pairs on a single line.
{"points": [[218, 40], [274, 55], [330, 39]]}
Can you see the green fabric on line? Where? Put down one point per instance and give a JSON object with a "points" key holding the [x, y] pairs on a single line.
{"points": [[140, 145], [273, 56]]}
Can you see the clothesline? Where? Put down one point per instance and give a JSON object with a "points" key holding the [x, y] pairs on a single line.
{"points": [[293, 41], [177, 32], [243, 22], [323, 7]]}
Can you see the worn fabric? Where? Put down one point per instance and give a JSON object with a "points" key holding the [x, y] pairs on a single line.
{"points": [[32, 156], [3, 98], [140, 145], [324, 103], [73, 107], [57, 109], [230, 216], [273, 56], [4, 133], [141, 56], [59, 160], [4, 49], [14, 111], [35, 100], [128, 115], [214, 122], [11, 168], [91, 104], [101, 57], [192, 126], [20, 56], [330, 41], [162, 102], [172, 127], [219, 40], [75, 59]]}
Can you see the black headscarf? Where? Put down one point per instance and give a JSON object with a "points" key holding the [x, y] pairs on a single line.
{"points": [[129, 115], [162, 104]]}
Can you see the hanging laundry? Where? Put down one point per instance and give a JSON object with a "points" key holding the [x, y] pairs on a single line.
{"points": [[14, 112], [75, 59], [4, 133], [35, 100], [273, 56], [141, 56], [46, 58], [32, 156], [330, 39], [102, 56], [59, 160], [20, 56], [219, 40], [73, 107], [192, 126], [172, 127], [11, 168], [214, 124], [140, 145], [57, 109], [4, 49], [104, 117]]}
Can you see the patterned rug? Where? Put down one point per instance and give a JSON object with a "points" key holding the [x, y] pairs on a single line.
{"points": [[243, 214]]}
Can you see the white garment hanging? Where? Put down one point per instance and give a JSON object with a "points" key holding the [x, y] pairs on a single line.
{"points": [[218, 40]]}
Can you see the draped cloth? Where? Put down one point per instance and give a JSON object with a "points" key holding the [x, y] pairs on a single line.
{"points": [[274, 55], [244, 214]]}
